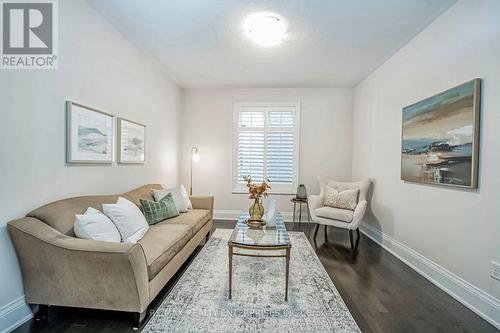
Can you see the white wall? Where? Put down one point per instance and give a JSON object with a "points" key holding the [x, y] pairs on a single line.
{"points": [[325, 138], [98, 67], [458, 230]]}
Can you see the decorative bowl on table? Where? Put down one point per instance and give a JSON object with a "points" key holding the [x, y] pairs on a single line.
{"points": [[255, 223]]}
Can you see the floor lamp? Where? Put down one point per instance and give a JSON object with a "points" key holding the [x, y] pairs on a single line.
{"points": [[195, 157]]}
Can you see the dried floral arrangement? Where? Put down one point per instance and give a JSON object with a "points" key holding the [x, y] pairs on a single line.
{"points": [[257, 190]]}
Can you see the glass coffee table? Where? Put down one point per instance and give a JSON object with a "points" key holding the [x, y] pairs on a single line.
{"points": [[253, 241]]}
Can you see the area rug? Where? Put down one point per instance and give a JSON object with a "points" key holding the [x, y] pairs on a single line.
{"points": [[199, 300]]}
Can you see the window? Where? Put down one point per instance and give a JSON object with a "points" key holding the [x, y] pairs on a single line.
{"points": [[266, 145]]}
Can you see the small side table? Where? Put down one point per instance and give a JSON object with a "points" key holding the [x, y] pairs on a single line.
{"points": [[300, 202]]}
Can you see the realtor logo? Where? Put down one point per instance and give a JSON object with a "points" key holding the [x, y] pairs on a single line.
{"points": [[29, 34]]}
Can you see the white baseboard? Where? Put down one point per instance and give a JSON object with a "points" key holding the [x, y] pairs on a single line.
{"points": [[226, 214], [479, 301], [14, 314], [232, 215]]}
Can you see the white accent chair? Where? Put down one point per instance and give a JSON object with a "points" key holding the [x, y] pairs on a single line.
{"points": [[336, 217]]}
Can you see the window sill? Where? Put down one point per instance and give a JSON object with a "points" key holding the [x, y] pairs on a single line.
{"points": [[271, 193]]}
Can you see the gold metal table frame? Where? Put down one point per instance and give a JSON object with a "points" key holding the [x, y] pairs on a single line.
{"points": [[287, 248]]}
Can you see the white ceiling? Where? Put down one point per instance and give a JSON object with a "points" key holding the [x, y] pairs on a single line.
{"points": [[200, 43]]}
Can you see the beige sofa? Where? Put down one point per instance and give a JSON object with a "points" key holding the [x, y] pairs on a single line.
{"points": [[59, 269]]}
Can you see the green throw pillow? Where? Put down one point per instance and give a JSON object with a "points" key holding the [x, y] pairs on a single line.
{"points": [[159, 211]]}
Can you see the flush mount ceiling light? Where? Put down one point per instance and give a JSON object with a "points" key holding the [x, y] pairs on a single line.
{"points": [[265, 29]]}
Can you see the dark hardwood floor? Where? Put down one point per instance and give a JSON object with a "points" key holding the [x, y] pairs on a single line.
{"points": [[382, 293]]}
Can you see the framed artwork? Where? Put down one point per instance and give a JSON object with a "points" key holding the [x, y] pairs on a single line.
{"points": [[89, 135], [440, 138], [131, 141]]}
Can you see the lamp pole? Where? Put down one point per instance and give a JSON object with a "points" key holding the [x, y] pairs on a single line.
{"points": [[191, 179], [195, 157]]}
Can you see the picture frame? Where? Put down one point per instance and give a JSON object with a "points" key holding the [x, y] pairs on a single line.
{"points": [[440, 138], [131, 142], [89, 135]]}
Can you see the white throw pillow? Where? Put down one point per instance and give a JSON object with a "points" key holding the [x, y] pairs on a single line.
{"points": [[96, 226], [181, 198], [179, 202], [347, 199], [128, 219], [186, 197]]}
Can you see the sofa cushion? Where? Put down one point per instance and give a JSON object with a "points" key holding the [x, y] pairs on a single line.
{"points": [[161, 243], [344, 215], [194, 218]]}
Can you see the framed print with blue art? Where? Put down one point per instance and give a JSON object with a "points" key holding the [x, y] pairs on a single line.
{"points": [[89, 135]]}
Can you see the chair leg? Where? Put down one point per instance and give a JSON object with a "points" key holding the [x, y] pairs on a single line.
{"points": [[316, 231], [357, 239], [326, 235], [354, 245], [351, 239]]}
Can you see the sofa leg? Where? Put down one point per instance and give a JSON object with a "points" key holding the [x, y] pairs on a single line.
{"points": [[326, 235], [42, 313], [137, 319], [207, 237]]}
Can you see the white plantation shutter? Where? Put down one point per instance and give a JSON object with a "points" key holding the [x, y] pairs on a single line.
{"points": [[279, 166], [281, 117], [251, 156], [251, 118], [266, 145]]}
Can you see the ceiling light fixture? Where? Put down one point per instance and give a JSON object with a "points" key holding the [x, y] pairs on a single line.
{"points": [[265, 29]]}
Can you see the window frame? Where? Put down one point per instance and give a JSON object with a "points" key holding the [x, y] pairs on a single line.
{"points": [[240, 188]]}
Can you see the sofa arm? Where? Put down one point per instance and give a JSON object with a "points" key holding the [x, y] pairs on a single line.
{"points": [[203, 203], [359, 212], [61, 270]]}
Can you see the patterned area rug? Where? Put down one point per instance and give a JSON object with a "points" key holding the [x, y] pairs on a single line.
{"points": [[199, 301]]}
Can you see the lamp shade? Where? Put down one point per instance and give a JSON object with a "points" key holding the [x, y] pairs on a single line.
{"points": [[195, 156]]}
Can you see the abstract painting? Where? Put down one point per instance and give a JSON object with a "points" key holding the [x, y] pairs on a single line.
{"points": [[131, 141], [89, 135], [440, 138]]}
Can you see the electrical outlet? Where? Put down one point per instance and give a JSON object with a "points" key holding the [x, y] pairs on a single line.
{"points": [[495, 270]]}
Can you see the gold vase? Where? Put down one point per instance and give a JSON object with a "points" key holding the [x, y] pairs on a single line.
{"points": [[256, 210]]}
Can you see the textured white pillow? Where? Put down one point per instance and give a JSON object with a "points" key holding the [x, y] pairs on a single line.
{"points": [[128, 219], [181, 198], [96, 226], [347, 199]]}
